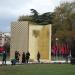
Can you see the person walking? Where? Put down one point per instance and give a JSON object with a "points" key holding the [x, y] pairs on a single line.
{"points": [[38, 57]]}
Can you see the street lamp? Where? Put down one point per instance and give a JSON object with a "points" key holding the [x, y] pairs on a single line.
{"points": [[56, 41], [56, 48]]}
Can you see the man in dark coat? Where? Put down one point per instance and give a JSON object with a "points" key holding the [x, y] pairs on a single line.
{"points": [[73, 48], [17, 55], [23, 58], [73, 51], [4, 57], [27, 56]]}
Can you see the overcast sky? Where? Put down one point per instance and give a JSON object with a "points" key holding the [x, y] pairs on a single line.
{"points": [[10, 10]]}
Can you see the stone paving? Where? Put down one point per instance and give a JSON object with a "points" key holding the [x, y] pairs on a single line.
{"points": [[52, 62]]}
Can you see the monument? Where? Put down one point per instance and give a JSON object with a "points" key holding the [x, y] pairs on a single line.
{"points": [[26, 36]]}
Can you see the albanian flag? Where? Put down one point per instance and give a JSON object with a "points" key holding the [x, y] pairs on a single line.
{"points": [[63, 49], [1, 49]]}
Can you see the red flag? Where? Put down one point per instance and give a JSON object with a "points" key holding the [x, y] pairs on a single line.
{"points": [[1, 49], [54, 49], [63, 49]]}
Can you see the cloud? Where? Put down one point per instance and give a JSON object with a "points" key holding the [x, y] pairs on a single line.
{"points": [[20, 7], [10, 10], [14, 3], [67, 0], [5, 23]]}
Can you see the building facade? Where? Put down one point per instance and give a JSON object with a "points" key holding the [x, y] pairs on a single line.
{"points": [[4, 38]]}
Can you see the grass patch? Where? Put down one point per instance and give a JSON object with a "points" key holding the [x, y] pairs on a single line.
{"points": [[38, 69]]}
